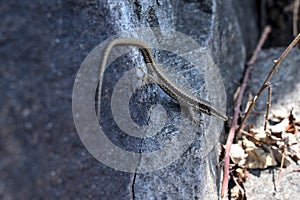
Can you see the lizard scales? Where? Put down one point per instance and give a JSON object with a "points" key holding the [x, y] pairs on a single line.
{"points": [[166, 84]]}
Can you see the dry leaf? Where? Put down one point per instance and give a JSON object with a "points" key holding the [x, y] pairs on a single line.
{"points": [[296, 157], [279, 114], [291, 128], [237, 192], [258, 158], [279, 128], [238, 155], [242, 174], [289, 139], [278, 156], [259, 133]]}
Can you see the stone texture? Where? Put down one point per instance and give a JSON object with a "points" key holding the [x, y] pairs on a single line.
{"points": [[262, 184], [247, 14], [42, 44], [215, 29]]}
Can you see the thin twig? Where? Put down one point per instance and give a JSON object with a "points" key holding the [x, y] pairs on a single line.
{"points": [[261, 42], [253, 137], [268, 107], [296, 170], [281, 165], [264, 85], [239, 187], [237, 106], [296, 17]]}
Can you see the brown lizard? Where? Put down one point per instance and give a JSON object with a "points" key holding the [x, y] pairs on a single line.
{"points": [[160, 78]]}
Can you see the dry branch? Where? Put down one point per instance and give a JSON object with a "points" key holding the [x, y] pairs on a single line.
{"points": [[237, 106], [268, 107], [265, 84]]}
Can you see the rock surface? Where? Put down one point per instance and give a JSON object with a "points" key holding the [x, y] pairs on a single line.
{"points": [[285, 82], [262, 184], [42, 44]]}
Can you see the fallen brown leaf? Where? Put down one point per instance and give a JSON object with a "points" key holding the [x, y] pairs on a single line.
{"points": [[258, 157]]}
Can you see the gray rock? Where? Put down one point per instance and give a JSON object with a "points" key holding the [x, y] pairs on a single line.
{"points": [[216, 29], [247, 14], [42, 44]]}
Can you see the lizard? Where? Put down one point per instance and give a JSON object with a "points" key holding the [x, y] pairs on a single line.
{"points": [[167, 85]]}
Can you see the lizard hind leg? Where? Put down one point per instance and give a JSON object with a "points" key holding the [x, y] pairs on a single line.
{"points": [[195, 117], [147, 78]]}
